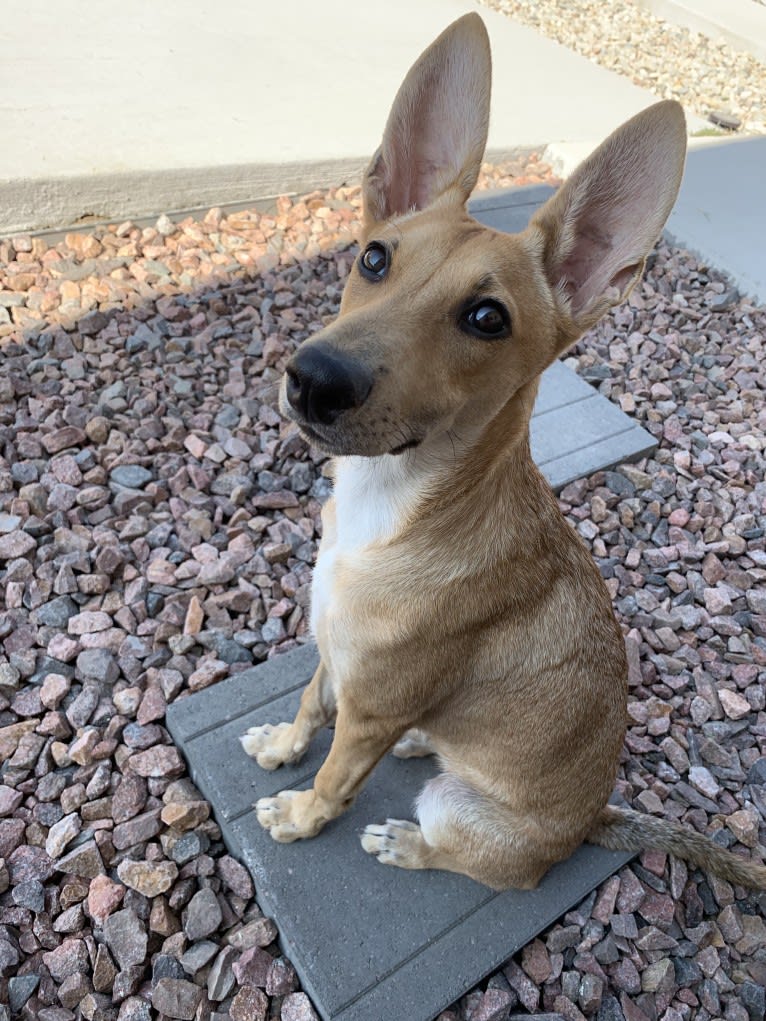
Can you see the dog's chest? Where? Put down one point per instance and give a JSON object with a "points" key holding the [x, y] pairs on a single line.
{"points": [[372, 504]]}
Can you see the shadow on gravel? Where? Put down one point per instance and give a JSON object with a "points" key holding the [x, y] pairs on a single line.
{"points": [[142, 443]]}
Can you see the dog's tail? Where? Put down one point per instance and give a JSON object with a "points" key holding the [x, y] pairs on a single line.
{"points": [[622, 829]]}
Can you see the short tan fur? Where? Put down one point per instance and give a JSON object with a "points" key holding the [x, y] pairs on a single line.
{"points": [[456, 612]]}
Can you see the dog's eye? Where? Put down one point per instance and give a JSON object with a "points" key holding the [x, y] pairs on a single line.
{"points": [[374, 261], [486, 319]]}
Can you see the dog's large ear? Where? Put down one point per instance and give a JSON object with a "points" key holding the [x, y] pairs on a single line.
{"points": [[598, 229], [437, 129]]}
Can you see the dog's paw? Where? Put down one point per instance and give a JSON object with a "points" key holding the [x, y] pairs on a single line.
{"points": [[413, 745], [397, 842], [273, 745], [291, 815]]}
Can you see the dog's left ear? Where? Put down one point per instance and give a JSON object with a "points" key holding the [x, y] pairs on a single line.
{"points": [[437, 130], [597, 230]]}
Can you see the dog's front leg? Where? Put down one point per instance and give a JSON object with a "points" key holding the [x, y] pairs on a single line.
{"points": [[359, 743], [279, 744]]}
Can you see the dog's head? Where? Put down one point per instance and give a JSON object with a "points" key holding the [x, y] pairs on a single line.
{"points": [[443, 320]]}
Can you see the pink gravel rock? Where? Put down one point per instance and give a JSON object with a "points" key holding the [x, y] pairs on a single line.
{"points": [[717, 601], [83, 860], [536, 962], [176, 998], [186, 816], [137, 830], [208, 672], [252, 968], [104, 897], [161, 761], [11, 735], [249, 1004], [61, 834], [11, 835], [70, 958], [237, 879], [55, 687], [88, 622], [28, 863], [258, 933], [281, 978], [733, 704], [195, 446], [745, 825], [493, 1006], [297, 1007], [10, 800], [148, 878], [16, 544], [60, 439]]}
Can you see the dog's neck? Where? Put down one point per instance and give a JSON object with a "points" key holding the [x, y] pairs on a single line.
{"points": [[375, 497]]}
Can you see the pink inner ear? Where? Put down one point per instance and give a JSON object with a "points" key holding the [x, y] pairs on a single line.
{"points": [[605, 219], [423, 149], [414, 176], [437, 129], [601, 258], [583, 261]]}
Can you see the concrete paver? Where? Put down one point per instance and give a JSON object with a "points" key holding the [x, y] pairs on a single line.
{"points": [[367, 941]]}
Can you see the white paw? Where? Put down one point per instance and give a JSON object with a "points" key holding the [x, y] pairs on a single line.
{"points": [[274, 814], [272, 745], [395, 842]]}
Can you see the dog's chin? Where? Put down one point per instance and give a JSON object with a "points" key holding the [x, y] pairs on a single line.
{"points": [[338, 445]]}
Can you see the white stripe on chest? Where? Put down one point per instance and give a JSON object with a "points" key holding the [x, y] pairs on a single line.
{"points": [[374, 499]]}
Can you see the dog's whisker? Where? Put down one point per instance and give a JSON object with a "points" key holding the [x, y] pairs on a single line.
{"points": [[451, 434]]}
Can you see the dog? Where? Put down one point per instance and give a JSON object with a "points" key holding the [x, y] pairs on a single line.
{"points": [[455, 611]]}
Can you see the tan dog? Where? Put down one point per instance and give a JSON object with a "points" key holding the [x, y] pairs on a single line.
{"points": [[455, 610]]}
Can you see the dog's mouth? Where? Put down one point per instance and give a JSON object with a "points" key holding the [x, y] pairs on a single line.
{"points": [[346, 446], [409, 445]]}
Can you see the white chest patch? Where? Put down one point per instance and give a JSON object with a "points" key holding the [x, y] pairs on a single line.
{"points": [[374, 498]]}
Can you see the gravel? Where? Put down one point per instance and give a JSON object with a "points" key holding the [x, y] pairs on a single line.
{"points": [[157, 528], [711, 78]]}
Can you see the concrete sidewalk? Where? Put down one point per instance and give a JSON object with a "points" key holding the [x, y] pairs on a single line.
{"points": [[721, 210], [115, 111], [160, 107]]}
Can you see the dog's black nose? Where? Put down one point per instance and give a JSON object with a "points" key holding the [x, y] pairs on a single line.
{"points": [[322, 383]]}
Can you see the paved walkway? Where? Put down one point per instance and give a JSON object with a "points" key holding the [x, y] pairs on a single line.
{"points": [[122, 110], [721, 211], [148, 110]]}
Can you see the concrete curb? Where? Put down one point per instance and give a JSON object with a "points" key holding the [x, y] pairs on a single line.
{"points": [[59, 204], [39, 204], [740, 23]]}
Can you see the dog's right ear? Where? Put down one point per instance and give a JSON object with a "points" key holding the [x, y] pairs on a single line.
{"points": [[437, 129]]}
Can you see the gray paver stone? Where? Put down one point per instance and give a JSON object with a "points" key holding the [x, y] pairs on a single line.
{"points": [[346, 922]]}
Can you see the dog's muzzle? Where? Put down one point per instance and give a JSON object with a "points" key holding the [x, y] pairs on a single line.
{"points": [[323, 383]]}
